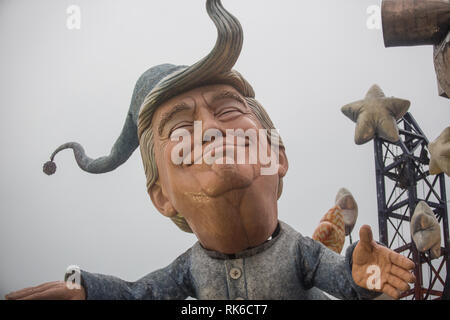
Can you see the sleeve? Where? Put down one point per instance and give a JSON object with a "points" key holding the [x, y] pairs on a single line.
{"points": [[323, 268], [172, 282]]}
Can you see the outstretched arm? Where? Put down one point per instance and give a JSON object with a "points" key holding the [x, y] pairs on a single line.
{"points": [[56, 290], [172, 282]]}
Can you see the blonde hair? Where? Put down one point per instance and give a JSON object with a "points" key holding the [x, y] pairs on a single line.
{"points": [[146, 139]]}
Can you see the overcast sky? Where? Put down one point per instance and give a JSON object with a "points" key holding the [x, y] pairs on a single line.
{"points": [[305, 59]]}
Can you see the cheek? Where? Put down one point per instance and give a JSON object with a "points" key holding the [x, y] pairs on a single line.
{"points": [[246, 122], [172, 175], [166, 176], [164, 164], [175, 152], [165, 160]]}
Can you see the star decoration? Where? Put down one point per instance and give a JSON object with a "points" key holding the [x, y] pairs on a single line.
{"points": [[425, 230], [377, 115], [440, 153]]}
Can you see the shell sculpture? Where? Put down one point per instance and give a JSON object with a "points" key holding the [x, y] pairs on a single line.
{"points": [[349, 209], [425, 230], [331, 230], [440, 153]]}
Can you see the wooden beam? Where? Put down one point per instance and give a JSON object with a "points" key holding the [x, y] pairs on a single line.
{"points": [[421, 22], [412, 22]]}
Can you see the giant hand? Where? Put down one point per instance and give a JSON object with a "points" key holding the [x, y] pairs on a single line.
{"points": [[378, 268], [56, 290]]}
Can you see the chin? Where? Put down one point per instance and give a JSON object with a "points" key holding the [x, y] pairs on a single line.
{"points": [[223, 178]]}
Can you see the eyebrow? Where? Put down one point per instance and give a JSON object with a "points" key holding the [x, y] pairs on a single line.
{"points": [[170, 114], [227, 95]]}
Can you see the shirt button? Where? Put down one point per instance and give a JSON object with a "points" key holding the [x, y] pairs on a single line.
{"points": [[235, 273]]}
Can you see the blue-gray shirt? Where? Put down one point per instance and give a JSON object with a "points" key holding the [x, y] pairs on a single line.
{"points": [[289, 266]]}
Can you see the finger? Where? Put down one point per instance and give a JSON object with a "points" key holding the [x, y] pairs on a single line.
{"points": [[366, 237], [53, 293], [397, 283], [30, 290], [401, 261], [391, 291], [403, 274]]}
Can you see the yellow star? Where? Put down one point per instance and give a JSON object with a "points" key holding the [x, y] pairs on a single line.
{"points": [[440, 153], [376, 114]]}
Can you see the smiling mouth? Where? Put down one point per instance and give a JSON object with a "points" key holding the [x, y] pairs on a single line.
{"points": [[211, 150]]}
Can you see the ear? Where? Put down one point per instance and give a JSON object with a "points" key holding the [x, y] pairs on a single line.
{"points": [[283, 163], [161, 202]]}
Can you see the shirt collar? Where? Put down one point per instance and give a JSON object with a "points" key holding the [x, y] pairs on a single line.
{"points": [[248, 252]]}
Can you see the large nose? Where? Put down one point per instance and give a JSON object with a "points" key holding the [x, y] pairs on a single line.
{"points": [[209, 123]]}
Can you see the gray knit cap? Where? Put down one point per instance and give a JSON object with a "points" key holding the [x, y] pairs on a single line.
{"points": [[160, 83]]}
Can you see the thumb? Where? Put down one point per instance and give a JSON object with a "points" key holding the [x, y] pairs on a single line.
{"points": [[366, 237]]}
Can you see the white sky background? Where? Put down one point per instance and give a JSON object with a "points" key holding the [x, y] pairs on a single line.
{"points": [[305, 59]]}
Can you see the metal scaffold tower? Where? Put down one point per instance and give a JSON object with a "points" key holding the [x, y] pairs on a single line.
{"points": [[403, 180]]}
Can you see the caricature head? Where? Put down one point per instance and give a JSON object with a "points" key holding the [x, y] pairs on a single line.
{"points": [[229, 207], [184, 191]]}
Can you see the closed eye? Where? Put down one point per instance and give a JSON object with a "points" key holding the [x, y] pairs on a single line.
{"points": [[229, 114], [184, 125]]}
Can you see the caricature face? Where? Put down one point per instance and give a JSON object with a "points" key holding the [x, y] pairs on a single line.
{"points": [[228, 204]]}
